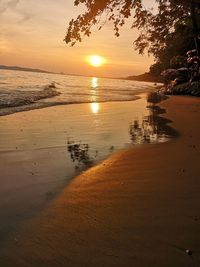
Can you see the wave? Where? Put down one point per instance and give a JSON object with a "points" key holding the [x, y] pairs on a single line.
{"points": [[40, 105], [30, 91], [16, 98], [12, 101]]}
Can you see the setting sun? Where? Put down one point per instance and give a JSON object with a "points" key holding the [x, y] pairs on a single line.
{"points": [[96, 61]]}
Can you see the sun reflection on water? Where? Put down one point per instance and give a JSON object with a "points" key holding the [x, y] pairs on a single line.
{"points": [[94, 82], [95, 107]]}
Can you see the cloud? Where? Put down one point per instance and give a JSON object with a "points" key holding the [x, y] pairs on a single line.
{"points": [[12, 5], [8, 4], [25, 17]]}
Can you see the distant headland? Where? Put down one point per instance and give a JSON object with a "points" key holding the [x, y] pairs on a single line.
{"points": [[146, 77], [22, 69], [17, 68]]}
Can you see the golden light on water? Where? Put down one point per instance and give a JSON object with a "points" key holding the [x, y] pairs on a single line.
{"points": [[94, 86], [95, 107], [96, 60], [94, 82]]}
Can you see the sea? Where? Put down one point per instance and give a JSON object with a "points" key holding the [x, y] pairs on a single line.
{"points": [[72, 89]]}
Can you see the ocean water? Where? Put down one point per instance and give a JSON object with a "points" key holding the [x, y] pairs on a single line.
{"points": [[73, 89]]}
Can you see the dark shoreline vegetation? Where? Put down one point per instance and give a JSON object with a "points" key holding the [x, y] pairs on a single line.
{"points": [[188, 88], [146, 77]]}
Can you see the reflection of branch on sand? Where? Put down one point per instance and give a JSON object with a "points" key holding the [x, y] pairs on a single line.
{"points": [[82, 155], [79, 154], [153, 128]]}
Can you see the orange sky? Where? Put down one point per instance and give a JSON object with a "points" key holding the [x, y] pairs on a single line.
{"points": [[32, 34]]}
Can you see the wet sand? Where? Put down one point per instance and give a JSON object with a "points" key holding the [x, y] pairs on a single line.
{"points": [[139, 207], [42, 150]]}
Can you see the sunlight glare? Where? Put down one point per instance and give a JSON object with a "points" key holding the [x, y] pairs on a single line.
{"points": [[94, 82], [95, 107], [96, 61]]}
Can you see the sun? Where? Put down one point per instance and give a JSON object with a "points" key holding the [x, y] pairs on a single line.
{"points": [[96, 61]]}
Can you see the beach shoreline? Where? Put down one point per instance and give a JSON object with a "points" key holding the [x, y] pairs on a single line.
{"points": [[138, 207], [42, 150]]}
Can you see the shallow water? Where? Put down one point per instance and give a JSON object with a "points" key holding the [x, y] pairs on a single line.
{"points": [[41, 150]]}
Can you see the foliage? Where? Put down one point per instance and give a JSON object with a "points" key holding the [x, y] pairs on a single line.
{"points": [[155, 28], [169, 75], [182, 89], [178, 61], [156, 69], [177, 44]]}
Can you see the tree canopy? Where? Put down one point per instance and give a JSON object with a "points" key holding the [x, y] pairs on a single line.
{"points": [[172, 22]]}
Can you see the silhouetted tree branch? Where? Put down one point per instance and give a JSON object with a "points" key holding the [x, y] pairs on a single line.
{"points": [[154, 27]]}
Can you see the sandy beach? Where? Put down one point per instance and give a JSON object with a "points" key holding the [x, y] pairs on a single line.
{"points": [[139, 207]]}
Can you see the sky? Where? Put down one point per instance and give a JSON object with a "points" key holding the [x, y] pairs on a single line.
{"points": [[32, 33]]}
